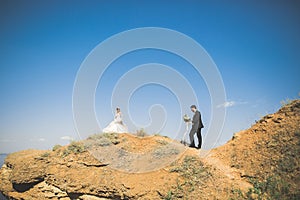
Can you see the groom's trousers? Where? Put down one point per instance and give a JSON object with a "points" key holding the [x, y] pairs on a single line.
{"points": [[199, 136], [192, 133]]}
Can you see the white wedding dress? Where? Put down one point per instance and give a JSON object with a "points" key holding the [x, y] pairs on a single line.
{"points": [[116, 126]]}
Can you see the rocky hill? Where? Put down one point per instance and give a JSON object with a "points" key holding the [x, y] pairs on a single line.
{"points": [[268, 154], [259, 163]]}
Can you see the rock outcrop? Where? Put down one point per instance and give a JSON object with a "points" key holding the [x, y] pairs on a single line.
{"points": [[259, 163]]}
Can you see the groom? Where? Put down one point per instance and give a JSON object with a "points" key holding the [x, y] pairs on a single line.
{"points": [[196, 127]]}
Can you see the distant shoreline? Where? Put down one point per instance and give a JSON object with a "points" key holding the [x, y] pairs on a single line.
{"points": [[2, 158]]}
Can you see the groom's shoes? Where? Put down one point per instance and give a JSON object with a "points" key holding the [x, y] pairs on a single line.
{"points": [[193, 146]]}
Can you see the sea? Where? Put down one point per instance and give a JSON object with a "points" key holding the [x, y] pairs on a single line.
{"points": [[2, 158]]}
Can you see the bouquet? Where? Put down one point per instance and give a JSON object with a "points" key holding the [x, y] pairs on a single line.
{"points": [[186, 118]]}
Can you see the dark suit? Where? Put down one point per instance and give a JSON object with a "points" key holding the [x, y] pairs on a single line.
{"points": [[196, 128]]}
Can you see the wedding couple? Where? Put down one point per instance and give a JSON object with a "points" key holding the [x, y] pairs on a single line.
{"points": [[117, 126]]}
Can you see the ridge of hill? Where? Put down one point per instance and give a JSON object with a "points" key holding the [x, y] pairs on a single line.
{"points": [[259, 163], [268, 153]]}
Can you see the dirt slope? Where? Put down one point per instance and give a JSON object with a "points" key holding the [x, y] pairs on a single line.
{"points": [[259, 163], [268, 154]]}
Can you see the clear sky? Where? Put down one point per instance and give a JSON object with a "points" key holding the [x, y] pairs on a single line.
{"points": [[255, 45]]}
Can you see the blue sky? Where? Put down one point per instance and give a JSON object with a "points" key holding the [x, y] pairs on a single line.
{"points": [[255, 45]]}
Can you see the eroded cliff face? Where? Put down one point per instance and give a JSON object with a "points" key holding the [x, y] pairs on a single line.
{"points": [[51, 174], [124, 166], [72, 172]]}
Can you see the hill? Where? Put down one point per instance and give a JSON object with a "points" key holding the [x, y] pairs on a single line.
{"points": [[259, 163], [268, 154]]}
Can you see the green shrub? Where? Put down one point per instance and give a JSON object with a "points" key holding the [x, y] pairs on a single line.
{"points": [[168, 196], [194, 175], [76, 147], [273, 188], [162, 142], [65, 153], [141, 133], [55, 147], [105, 139], [45, 155], [165, 151], [236, 194]]}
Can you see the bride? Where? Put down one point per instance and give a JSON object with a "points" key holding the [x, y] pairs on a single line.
{"points": [[117, 125]]}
